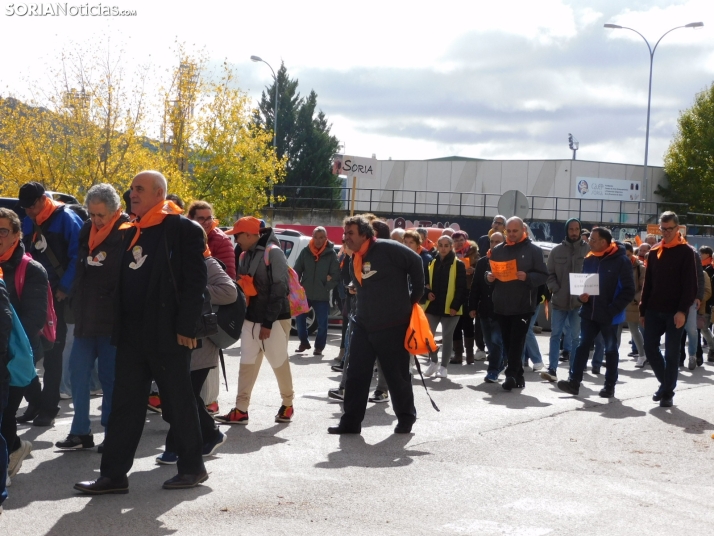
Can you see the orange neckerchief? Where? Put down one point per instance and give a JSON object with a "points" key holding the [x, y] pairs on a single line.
{"points": [[611, 249], [215, 223], [428, 244], [509, 243], [97, 236], [246, 283], [206, 252], [5, 256], [50, 205], [1, 274], [155, 216], [419, 249], [316, 252], [706, 262], [661, 246], [357, 258], [634, 260]]}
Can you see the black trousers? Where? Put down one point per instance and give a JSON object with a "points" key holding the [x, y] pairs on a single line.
{"points": [[135, 368], [8, 429], [47, 397], [387, 345], [514, 329], [209, 428]]}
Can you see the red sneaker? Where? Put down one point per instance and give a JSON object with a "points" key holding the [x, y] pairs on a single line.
{"points": [[285, 414], [212, 408], [154, 403], [234, 416]]}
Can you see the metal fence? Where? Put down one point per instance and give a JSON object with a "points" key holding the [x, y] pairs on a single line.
{"points": [[484, 205]]}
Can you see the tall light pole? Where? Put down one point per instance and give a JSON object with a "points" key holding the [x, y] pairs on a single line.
{"points": [[275, 121], [649, 92]]}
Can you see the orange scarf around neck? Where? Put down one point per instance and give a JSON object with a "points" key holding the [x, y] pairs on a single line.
{"points": [[316, 252], [5, 256], [661, 246], [155, 216], [609, 251], [215, 223], [48, 208], [358, 257], [706, 262], [509, 243], [97, 236]]}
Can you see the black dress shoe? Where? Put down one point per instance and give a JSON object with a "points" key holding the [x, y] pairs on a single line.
{"points": [[44, 420], [100, 448], [657, 397], [607, 392], [185, 481], [403, 428], [666, 402], [569, 387], [103, 486], [30, 413], [509, 383], [342, 429]]}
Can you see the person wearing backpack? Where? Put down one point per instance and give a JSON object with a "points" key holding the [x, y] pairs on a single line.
{"points": [[5, 327], [27, 286], [51, 236], [101, 247], [263, 276]]}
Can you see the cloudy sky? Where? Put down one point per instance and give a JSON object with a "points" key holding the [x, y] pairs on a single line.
{"points": [[476, 78]]}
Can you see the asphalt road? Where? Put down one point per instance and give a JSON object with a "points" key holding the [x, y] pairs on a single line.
{"points": [[530, 463]]}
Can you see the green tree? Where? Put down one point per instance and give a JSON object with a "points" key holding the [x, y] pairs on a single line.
{"points": [[689, 161], [304, 138]]}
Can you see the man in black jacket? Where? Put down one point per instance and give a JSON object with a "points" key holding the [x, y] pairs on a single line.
{"points": [[605, 312], [521, 270], [481, 308], [381, 270], [159, 301]]}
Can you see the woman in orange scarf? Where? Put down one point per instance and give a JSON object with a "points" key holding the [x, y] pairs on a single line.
{"points": [[101, 247]]}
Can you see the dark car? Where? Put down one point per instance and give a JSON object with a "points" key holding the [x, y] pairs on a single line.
{"points": [[12, 202]]}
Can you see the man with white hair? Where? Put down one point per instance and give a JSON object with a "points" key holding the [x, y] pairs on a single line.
{"points": [[159, 301], [398, 235], [319, 273]]}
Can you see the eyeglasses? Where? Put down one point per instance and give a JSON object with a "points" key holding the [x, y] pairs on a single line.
{"points": [[4, 232], [667, 228], [204, 219], [498, 222]]}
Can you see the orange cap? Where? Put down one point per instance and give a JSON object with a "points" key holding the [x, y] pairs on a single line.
{"points": [[249, 225]]}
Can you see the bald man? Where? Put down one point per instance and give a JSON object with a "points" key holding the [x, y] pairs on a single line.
{"points": [[159, 303], [515, 296]]}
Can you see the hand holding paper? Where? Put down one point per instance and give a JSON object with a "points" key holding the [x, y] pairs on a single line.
{"points": [[504, 271], [585, 284]]}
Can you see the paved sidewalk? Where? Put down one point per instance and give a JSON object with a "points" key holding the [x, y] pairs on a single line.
{"points": [[530, 463]]}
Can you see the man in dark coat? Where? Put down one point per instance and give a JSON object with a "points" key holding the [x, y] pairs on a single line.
{"points": [[602, 314], [159, 303]]}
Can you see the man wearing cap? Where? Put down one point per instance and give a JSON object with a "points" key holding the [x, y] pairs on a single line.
{"points": [[498, 225], [158, 305], [565, 259], [263, 276], [51, 235]]}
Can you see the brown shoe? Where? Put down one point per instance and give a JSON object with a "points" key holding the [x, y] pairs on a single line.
{"points": [[303, 347]]}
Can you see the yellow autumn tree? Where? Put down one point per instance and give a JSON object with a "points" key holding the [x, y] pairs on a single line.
{"points": [[89, 127]]}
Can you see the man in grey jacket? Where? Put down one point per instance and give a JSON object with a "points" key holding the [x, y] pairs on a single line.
{"points": [[565, 259], [519, 271], [319, 273]]}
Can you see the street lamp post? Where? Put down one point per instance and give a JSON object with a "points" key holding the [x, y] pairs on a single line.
{"points": [[652, 51], [275, 121]]}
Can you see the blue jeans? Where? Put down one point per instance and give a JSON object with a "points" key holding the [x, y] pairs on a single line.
{"points": [[4, 393], [65, 383], [567, 322], [494, 343], [85, 351], [589, 330], [322, 311], [665, 368], [690, 326], [531, 348], [599, 352]]}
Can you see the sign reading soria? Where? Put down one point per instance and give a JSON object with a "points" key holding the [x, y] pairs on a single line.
{"points": [[355, 166]]}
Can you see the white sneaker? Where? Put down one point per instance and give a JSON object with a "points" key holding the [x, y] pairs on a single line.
{"points": [[431, 369], [442, 373], [65, 396], [641, 360], [8, 482], [97, 392], [692, 362], [537, 366], [480, 355]]}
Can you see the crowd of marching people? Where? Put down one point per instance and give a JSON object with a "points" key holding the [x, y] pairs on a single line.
{"points": [[121, 300]]}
